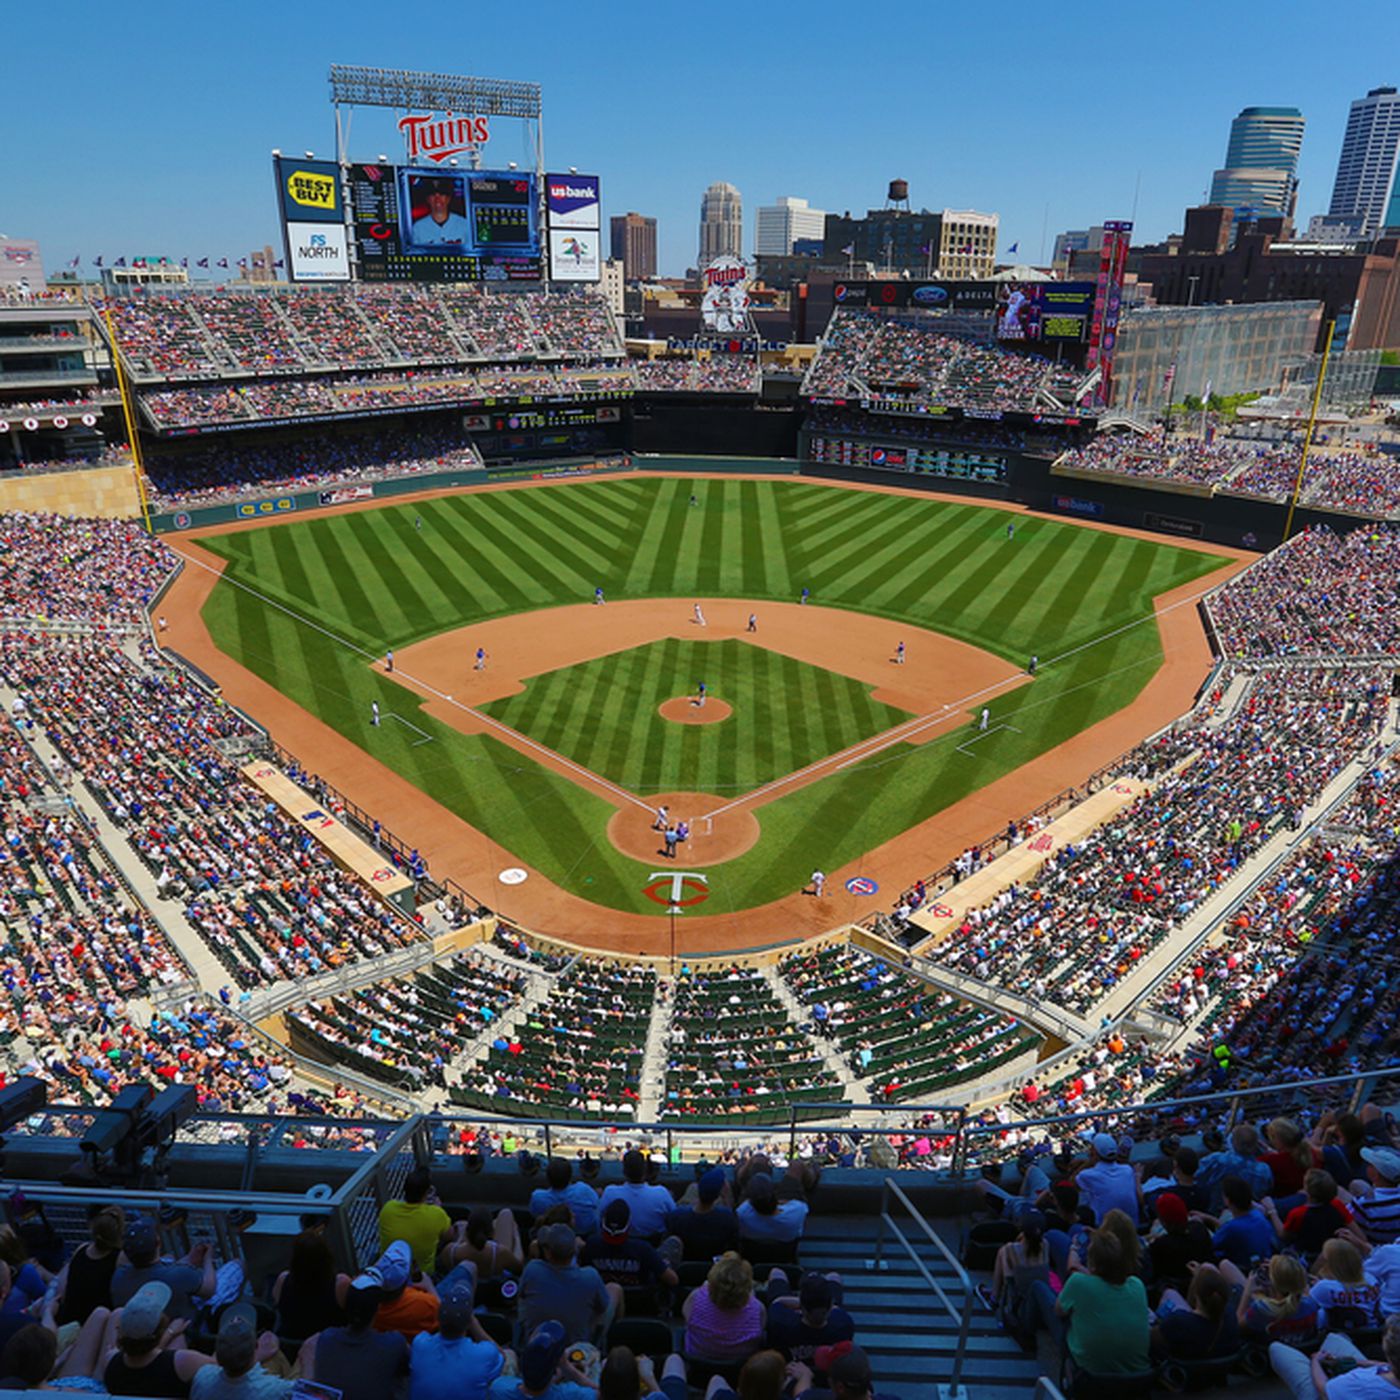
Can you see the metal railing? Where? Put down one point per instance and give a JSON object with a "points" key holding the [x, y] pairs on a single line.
{"points": [[963, 1316]]}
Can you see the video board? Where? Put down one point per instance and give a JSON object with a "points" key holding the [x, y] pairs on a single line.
{"points": [[1035, 312], [425, 225]]}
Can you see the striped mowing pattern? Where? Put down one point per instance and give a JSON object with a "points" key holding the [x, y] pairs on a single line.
{"points": [[372, 579], [602, 714]]}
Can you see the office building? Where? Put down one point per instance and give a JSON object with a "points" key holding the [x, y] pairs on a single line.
{"points": [[1260, 174], [1365, 193], [721, 224], [784, 224], [953, 243], [634, 245]]}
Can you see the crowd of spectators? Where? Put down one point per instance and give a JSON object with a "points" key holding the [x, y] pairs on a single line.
{"points": [[1360, 479], [198, 334], [865, 355], [183, 476], [1321, 595], [1223, 787], [60, 568], [718, 374]]}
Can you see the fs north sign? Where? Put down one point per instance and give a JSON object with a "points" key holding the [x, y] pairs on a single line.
{"points": [[435, 138]]}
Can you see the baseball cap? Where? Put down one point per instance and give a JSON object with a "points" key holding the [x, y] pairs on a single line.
{"points": [[144, 1309], [140, 1242], [851, 1369], [236, 1344], [394, 1266], [1171, 1209], [455, 1305], [540, 1358], [617, 1220], [1104, 1145], [1385, 1161], [816, 1292], [710, 1187]]}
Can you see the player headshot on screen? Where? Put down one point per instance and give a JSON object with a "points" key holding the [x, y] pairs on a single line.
{"points": [[1018, 314], [439, 224]]}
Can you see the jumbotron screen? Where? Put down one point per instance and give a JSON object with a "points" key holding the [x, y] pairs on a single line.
{"points": [[424, 225]]}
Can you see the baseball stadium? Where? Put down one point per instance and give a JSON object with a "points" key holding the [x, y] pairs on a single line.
{"points": [[667, 847]]}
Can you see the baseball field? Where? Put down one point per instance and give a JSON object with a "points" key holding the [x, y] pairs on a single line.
{"points": [[815, 744]]}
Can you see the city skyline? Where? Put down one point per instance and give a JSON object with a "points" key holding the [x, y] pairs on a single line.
{"points": [[184, 167]]}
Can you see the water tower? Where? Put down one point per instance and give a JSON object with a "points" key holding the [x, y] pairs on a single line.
{"points": [[898, 196]]}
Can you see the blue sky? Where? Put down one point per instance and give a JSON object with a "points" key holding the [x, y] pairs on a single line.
{"points": [[147, 130]]}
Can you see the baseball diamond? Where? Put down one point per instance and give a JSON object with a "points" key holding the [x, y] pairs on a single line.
{"points": [[543, 704]]}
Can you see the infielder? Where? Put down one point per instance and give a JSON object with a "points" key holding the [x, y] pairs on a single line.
{"points": [[374, 712], [481, 658], [753, 622], [699, 615], [700, 695], [899, 655], [986, 715], [389, 661], [598, 595], [818, 882]]}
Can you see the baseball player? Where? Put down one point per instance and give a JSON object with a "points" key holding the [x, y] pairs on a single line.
{"points": [[1034, 666], [899, 655], [663, 817], [389, 661], [1010, 529], [699, 615], [598, 595], [982, 724], [417, 522], [481, 658], [374, 712], [694, 499], [806, 593], [818, 882], [753, 622], [700, 695]]}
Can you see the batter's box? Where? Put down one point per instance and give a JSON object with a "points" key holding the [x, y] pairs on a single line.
{"points": [[966, 745]]}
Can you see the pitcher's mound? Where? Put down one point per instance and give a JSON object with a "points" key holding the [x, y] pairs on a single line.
{"points": [[684, 710]]}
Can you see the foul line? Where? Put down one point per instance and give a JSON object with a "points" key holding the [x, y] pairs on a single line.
{"points": [[426, 739], [514, 736]]}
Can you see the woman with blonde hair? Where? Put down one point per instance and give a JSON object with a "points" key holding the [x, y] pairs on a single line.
{"points": [[723, 1320], [1346, 1297], [1290, 1158], [1274, 1302]]}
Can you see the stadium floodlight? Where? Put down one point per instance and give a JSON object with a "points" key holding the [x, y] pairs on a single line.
{"points": [[353, 86], [310, 155], [277, 150]]}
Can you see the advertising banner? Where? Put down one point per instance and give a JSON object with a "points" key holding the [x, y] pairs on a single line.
{"points": [[574, 255], [573, 201], [317, 253], [308, 191]]}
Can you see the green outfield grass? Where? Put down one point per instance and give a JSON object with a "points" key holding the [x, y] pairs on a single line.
{"points": [[603, 715], [323, 597]]}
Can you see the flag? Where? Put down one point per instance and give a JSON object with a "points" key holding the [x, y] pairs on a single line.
{"points": [[243, 263], [1013, 248], [849, 250], [278, 263], [927, 248], [223, 262], [184, 262], [120, 262], [97, 261], [74, 261], [203, 262]]}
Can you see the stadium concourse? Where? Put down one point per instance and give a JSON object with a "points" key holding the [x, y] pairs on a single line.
{"points": [[1228, 932]]}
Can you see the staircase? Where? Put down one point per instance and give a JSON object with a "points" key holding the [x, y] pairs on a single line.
{"points": [[851, 1090], [911, 1338], [652, 1092]]}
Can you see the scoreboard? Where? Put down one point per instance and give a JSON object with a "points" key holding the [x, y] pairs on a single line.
{"points": [[429, 225]]}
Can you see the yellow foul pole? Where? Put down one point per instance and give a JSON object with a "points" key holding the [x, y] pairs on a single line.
{"points": [[1312, 424], [128, 412]]}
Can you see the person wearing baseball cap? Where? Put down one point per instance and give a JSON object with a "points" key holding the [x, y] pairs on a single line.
{"points": [[141, 1364], [240, 1352], [1376, 1207], [848, 1374], [458, 1361], [546, 1372], [439, 224], [1107, 1183], [1178, 1242], [801, 1327], [356, 1360], [709, 1227], [191, 1278], [410, 1302], [620, 1259]]}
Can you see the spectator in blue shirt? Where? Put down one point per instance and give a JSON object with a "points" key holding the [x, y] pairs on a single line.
{"points": [[563, 1190], [1245, 1235], [1241, 1160]]}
